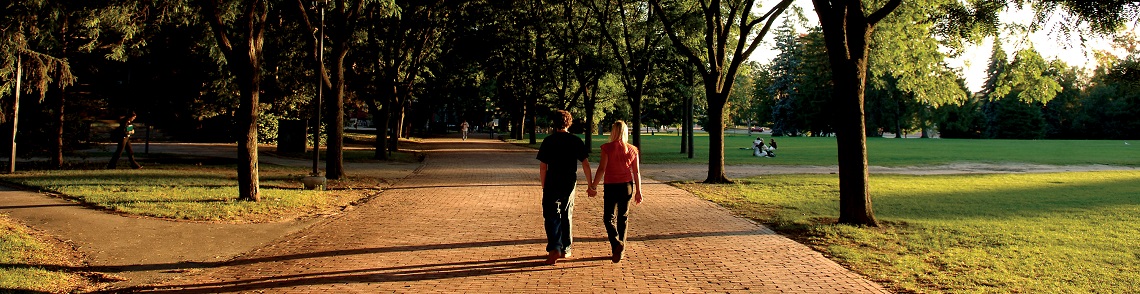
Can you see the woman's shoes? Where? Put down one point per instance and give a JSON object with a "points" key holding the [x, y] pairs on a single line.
{"points": [[619, 253]]}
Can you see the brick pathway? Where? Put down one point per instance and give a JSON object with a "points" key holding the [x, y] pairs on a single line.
{"points": [[469, 221]]}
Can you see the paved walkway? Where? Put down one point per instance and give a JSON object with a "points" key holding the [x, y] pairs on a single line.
{"points": [[469, 221]]}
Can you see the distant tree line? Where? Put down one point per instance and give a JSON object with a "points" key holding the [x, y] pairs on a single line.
{"points": [[1027, 97]]}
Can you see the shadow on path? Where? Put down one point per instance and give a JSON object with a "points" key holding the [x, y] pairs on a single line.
{"points": [[183, 266], [388, 274]]}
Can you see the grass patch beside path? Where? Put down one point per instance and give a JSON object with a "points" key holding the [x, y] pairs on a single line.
{"points": [[665, 148], [28, 260], [1010, 233], [198, 193]]}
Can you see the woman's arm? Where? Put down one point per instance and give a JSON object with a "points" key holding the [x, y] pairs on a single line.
{"points": [[637, 178]]}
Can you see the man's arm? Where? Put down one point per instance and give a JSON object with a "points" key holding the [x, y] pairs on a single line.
{"points": [[586, 168], [542, 175]]}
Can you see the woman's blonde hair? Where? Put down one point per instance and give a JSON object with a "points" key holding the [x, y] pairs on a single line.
{"points": [[619, 133]]}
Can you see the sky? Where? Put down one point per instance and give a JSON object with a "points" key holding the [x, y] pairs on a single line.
{"points": [[976, 57]]}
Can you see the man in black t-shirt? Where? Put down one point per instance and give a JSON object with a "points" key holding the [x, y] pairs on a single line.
{"points": [[558, 174]]}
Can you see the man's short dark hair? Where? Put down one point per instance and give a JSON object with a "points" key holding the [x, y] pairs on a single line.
{"points": [[561, 120]]}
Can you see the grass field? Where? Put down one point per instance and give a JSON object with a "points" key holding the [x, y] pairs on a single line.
{"points": [[26, 262], [665, 148], [197, 192], [986, 233]]}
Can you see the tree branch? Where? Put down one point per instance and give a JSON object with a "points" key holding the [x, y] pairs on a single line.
{"points": [[685, 50], [883, 12]]}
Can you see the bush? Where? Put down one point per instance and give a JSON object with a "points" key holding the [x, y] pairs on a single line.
{"points": [[267, 128]]}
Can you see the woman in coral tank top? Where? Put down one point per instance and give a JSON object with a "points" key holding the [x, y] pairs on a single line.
{"points": [[620, 169]]}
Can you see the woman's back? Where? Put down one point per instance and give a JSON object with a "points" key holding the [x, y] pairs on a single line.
{"points": [[620, 158]]}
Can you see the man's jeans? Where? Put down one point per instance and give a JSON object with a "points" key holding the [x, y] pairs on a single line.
{"points": [[558, 213]]}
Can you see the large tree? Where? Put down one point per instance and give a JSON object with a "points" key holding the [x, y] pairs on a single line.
{"points": [[727, 25], [342, 25], [33, 37], [631, 33], [48, 35], [401, 46], [239, 27], [847, 31]]}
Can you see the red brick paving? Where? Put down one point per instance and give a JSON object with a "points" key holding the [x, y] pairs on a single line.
{"points": [[469, 221]]}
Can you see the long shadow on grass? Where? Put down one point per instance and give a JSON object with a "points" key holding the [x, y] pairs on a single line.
{"points": [[38, 206]]}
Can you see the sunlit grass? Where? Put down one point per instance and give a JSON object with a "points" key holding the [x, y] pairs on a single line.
{"points": [[27, 262], [665, 148], [200, 193], [1006, 233]]}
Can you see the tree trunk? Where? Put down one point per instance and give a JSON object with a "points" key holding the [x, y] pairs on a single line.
{"points": [[244, 60], [689, 124], [248, 186], [854, 192], [57, 131], [635, 116], [334, 119], [684, 131], [397, 117], [846, 34], [715, 128], [394, 124], [518, 119], [530, 121], [591, 101], [380, 121]]}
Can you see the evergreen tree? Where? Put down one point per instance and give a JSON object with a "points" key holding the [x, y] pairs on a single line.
{"points": [[1014, 109], [1062, 113], [785, 77], [1012, 118]]}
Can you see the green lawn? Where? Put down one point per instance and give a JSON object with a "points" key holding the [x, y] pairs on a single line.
{"points": [[168, 187], [28, 262], [990, 233], [197, 192], [665, 148]]}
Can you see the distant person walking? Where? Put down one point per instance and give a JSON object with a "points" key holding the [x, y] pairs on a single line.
{"points": [[122, 135], [558, 174], [463, 129], [620, 167]]}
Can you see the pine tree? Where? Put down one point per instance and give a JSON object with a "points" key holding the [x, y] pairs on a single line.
{"points": [[785, 72]]}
